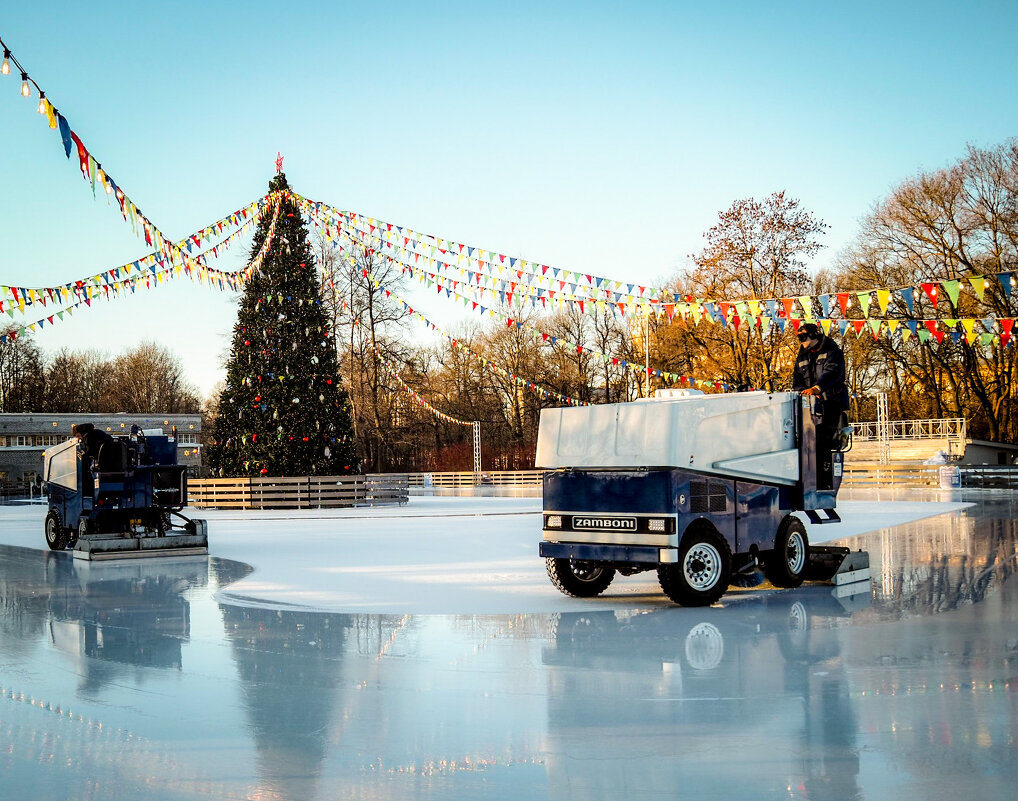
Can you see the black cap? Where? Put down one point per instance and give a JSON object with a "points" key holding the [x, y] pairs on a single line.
{"points": [[810, 328]]}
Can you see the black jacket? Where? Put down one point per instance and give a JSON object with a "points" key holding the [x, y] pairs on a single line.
{"points": [[823, 368], [91, 446]]}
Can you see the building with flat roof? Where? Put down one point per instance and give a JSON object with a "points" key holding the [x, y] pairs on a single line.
{"points": [[23, 437]]}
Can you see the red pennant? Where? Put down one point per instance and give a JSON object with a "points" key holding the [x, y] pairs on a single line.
{"points": [[858, 326], [843, 303], [796, 322], [788, 304], [932, 290]]}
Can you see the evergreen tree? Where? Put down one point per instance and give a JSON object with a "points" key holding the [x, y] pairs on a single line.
{"points": [[283, 410]]}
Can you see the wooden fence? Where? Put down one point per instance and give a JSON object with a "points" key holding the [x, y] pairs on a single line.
{"points": [[492, 478], [323, 492], [301, 492], [858, 474]]}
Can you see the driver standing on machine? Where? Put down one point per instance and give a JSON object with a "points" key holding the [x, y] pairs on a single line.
{"points": [[91, 441], [820, 372]]}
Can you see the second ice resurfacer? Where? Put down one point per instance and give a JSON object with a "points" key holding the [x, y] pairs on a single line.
{"points": [[123, 504]]}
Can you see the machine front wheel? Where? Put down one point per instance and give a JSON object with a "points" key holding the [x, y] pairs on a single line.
{"points": [[577, 578], [786, 565], [56, 537], [703, 572]]}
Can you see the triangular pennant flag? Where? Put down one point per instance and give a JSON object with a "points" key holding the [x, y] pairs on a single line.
{"points": [[978, 285], [951, 288], [908, 295], [807, 306], [883, 299], [864, 302]]}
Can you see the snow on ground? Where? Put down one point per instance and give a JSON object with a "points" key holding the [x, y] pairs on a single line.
{"points": [[436, 555]]}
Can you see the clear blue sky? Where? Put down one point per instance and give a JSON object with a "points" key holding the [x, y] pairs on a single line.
{"points": [[590, 135]]}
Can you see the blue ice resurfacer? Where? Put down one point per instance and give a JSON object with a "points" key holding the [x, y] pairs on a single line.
{"points": [[123, 504], [700, 488]]}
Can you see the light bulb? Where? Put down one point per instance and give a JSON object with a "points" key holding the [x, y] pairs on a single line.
{"points": [[25, 90], [5, 68], [42, 102]]}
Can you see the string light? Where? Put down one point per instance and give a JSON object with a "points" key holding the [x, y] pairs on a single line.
{"points": [[42, 102], [5, 68], [26, 91]]}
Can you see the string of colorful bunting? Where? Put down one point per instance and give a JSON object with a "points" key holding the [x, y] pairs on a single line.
{"points": [[446, 255], [413, 393], [152, 279]]}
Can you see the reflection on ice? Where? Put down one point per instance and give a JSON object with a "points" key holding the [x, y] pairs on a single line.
{"points": [[135, 678]]}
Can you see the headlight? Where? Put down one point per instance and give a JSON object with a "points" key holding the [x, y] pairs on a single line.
{"points": [[655, 525], [554, 521]]}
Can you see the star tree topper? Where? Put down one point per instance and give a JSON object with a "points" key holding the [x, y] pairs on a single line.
{"points": [[279, 162]]}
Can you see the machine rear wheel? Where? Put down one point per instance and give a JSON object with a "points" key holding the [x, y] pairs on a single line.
{"points": [[579, 579], [56, 537], [703, 572], [84, 528], [786, 565]]}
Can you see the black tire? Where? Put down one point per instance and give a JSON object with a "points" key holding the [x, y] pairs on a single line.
{"points": [[785, 566], [56, 535], [579, 579], [84, 528], [704, 570]]}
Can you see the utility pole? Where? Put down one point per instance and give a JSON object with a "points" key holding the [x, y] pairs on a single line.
{"points": [[477, 451], [883, 429]]}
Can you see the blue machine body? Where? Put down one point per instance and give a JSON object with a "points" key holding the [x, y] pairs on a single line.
{"points": [[584, 504], [144, 481]]}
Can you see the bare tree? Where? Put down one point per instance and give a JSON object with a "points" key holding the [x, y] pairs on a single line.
{"points": [[22, 379], [952, 224]]}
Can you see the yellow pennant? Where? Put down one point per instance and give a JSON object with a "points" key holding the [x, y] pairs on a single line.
{"points": [[978, 284]]}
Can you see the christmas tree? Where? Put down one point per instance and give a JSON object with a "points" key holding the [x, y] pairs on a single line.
{"points": [[283, 410]]}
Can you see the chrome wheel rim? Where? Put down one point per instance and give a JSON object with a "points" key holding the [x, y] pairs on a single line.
{"points": [[585, 571], [701, 566], [795, 553]]}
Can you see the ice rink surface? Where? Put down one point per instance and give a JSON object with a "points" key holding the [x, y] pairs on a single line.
{"points": [[421, 652]]}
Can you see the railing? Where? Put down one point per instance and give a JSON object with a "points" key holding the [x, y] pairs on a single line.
{"points": [[951, 427], [10, 490], [301, 492], [989, 476], [496, 478], [862, 474]]}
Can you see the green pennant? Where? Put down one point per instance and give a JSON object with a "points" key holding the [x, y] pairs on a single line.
{"points": [[923, 334], [951, 288], [864, 301]]}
